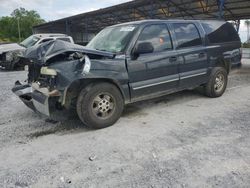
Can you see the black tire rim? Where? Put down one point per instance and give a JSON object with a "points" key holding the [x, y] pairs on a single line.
{"points": [[219, 83], [103, 105]]}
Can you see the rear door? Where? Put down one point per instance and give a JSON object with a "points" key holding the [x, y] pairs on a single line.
{"points": [[192, 54], [154, 72]]}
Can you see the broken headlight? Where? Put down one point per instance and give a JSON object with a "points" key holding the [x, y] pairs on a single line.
{"points": [[48, 71], [47, 78], [9, 56]]}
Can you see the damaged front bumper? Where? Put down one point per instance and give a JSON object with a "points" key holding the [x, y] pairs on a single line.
{"points": [[24, 93], [40, 100]]}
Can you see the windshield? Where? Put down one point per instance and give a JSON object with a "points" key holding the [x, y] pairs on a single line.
{"points": [[30, 41], [112, 39]]}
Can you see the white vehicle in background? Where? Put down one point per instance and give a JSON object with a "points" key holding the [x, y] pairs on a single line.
{"points": [[11, 53]]}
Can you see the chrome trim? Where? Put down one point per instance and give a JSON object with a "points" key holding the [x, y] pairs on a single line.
{"points": [[154, 84], [199, 74]]}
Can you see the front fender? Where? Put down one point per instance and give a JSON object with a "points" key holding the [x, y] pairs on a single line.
{"points": [[71, 78]]}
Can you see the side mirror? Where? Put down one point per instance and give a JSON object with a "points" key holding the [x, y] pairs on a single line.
{"points": [[143, 48]]}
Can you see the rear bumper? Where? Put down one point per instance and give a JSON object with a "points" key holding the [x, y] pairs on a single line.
{"points": [[39, 102]]}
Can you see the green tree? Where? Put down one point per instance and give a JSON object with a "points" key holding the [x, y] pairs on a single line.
{"points": [[9, 24]]}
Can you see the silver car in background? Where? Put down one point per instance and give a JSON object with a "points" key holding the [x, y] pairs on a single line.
{"points": [[11, 53]]}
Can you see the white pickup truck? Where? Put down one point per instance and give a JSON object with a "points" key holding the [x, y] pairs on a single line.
{"points": [[11, 53]]}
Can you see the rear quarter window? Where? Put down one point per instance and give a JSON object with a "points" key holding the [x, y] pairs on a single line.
{"points": [[45, 40], [219, 32], [64, 39]]}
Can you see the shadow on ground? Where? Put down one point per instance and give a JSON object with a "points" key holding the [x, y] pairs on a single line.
{"points": [[74, 125]]}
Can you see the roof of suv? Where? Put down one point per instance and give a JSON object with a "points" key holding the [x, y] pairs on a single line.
{"points": [[167, 20]]}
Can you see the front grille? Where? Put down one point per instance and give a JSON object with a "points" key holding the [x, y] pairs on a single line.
{"points": [[2, 57], [34, 72]]}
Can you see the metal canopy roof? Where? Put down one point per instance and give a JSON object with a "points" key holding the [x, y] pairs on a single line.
{"points": [[92, 22]]}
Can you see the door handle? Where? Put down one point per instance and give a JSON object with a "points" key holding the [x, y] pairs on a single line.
{"points": [[173, 59]]}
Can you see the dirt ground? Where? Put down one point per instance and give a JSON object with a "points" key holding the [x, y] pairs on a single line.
{"points": [[180, 140]]}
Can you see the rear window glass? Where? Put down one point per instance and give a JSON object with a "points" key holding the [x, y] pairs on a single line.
{"points": [[187, 35], [218, 32], [46, 40]]}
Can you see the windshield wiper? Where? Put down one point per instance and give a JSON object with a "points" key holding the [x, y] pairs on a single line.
{"points": [[101, 50]]}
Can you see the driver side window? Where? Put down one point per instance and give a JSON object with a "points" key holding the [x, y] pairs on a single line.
{"points": [[158, 36]]}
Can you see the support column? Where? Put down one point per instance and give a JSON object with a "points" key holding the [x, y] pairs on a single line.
{"points": [[221, 8], [237, 25], [67, 27], [86, 31]]}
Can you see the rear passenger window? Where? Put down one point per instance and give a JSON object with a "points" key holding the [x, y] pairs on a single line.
{"points": [[64, 39], [218, 32], [187, 35], [158, 36], [45, 40]]}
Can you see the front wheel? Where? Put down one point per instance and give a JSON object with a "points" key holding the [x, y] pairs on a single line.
{"points": [[100, 105], [217, 83]]}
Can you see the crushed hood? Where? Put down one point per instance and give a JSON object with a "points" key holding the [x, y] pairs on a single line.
{"points": [[10, 47], [43, 52]]}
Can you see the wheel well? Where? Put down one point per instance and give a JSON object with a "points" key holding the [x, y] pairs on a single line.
{"points": [[225, 64], [72, 92]]}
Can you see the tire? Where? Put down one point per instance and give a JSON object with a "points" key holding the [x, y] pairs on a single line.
{"points": [[10, 66], [99, 105], [239, 65], [217, 83], [13, 64]]}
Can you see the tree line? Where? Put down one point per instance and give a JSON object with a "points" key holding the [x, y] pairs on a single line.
{"points": [[20, 20]]}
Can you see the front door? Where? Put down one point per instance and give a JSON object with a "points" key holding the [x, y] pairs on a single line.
{"points": [[156, 72]]}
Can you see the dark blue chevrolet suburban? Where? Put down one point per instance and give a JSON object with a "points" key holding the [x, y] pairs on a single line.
{"points": [[126, 63]]}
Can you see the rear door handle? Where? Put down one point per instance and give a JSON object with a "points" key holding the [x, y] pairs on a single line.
{"points": [[173, 59], [202, 54]]}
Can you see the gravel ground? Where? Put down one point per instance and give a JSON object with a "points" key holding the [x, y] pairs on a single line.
{"points": [[180, 140]]}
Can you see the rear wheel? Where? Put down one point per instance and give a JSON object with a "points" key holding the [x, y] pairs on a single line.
{"points": [[239, 65], [100, 105], [217, 83]]}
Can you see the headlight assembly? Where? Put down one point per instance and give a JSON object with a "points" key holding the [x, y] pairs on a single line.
{"points": [[9, 56], [13, 55], [48, 71]]}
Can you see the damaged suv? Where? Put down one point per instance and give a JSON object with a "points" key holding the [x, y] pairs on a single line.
{"points": [[126, 63]]}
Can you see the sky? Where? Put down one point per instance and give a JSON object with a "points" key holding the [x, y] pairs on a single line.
{"points": [[55, 9]]}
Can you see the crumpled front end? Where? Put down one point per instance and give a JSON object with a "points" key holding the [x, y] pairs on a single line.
{"points": [[54, 67]]}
